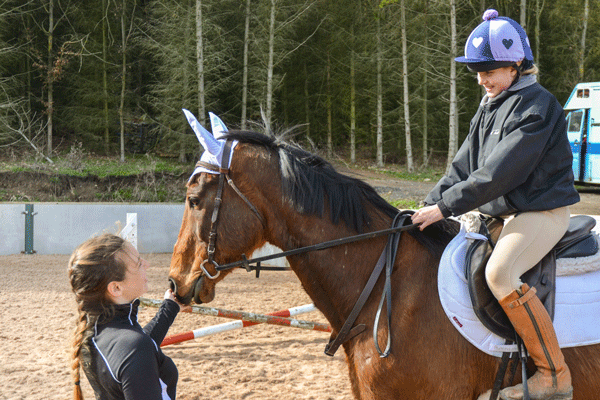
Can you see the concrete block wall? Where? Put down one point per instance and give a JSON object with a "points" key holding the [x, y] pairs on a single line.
{"points": [[60, 227]]}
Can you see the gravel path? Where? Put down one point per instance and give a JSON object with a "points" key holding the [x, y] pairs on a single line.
{"points": [[396, 189]]}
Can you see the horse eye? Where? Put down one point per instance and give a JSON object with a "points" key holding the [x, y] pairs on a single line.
{"points": [[194, 201]]}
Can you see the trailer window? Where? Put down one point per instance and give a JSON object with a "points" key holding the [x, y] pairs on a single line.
{"points": [[575, 121], [583, 93]]}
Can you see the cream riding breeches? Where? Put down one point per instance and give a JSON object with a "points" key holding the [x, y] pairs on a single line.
{"points": [[525, 239]]}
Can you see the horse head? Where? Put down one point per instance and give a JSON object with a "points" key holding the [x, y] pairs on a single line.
{"points": [[219, 221]]}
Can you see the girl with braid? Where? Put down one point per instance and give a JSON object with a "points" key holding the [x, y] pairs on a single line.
{"points": [[121, 360]]}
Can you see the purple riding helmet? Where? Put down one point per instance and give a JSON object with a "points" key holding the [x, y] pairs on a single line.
{"points": [[497, 42]]}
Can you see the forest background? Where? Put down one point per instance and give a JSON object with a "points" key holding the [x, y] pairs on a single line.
{"points": [[362, 79]]}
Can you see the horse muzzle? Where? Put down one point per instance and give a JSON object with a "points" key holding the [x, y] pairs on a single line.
{"points": [[201, 292]]}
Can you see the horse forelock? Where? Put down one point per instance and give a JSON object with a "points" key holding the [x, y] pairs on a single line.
{"points": [[310, 184]]}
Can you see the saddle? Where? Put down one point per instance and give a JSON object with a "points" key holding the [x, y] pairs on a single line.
{"points": [[578, 241]]}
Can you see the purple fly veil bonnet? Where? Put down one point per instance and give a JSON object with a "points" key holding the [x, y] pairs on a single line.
{"points": [[212, 143]]}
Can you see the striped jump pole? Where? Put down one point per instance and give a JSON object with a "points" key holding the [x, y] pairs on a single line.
{"points": [[229, 326], [244, 319]]}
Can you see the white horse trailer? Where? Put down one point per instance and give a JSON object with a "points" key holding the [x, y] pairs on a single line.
{"points": [[583, 128]]}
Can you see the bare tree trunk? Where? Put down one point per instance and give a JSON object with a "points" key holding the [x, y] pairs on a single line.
{"points": [[306, 102], [124, 39], [538, 16], [187, 32], [425, 92], [105, 76], [329, 123], [453, 134], [586, 14], [269, 105], [123, 80], [523, 19], [285, 104], [409, 155], [379, 94], [200, 65], [29, 73], [352, 105], [353, 87], [50, 106], [245, 67]]}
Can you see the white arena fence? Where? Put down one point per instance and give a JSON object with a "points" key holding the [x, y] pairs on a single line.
{"points": [[57, 228]]}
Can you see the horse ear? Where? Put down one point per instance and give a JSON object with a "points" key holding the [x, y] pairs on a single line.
{"points": [[205, 138], [218, 127]]}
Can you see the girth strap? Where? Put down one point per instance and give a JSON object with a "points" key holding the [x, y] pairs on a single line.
{"points": [[500, 375]]}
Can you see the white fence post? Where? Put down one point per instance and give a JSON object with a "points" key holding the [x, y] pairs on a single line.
{"points": [[129, 233]]}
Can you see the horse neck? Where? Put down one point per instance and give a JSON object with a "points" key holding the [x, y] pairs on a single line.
{"points": [[331, 277]]}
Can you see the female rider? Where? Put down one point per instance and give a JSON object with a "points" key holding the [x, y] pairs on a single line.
{"points": [[515, 164]]}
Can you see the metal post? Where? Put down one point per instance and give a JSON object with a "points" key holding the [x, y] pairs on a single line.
{"points": [[29, 228]]}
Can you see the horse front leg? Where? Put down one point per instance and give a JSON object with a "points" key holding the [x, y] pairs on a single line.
{"points": [[371, 377], [353, 377]]}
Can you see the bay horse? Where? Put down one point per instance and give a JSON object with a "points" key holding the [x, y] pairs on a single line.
{"points": [[281, 194]]}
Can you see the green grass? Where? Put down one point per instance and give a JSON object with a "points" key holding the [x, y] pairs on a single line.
{"points": [[428, 174], [78, 163], [99, 166], [403, 204], [13, 168]]}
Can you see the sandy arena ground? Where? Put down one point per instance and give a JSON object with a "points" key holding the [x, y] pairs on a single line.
{"points": [[262, 362], [256, 363]]}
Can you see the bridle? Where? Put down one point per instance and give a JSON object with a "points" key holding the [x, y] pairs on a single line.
{"points": [[223, 175]]}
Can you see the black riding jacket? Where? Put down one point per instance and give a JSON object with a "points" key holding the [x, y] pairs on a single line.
{"points": [[516, 157], [125, 360]]}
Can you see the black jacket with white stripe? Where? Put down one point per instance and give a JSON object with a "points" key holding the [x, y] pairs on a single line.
{"points": [[125, 361]]}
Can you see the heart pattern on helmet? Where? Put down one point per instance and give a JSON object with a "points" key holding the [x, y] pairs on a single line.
{"points": [[477, 41], [507, 43]]}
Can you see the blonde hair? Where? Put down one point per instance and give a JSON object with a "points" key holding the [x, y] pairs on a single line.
{"points": [[92, 266], [534, 70]]}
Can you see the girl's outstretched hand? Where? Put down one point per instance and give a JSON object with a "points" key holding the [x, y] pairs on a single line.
{"points": [[169, 295]]}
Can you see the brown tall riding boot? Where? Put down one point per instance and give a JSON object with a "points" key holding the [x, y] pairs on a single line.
{"points": [[552, 380]]}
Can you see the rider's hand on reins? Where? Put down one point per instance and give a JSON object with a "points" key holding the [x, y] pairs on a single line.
{"points": [[427, 216]]}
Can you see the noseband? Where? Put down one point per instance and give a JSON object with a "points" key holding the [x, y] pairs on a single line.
{"points": [[223, 174]]}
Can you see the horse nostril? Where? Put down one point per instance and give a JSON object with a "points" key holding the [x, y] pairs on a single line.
{"points": [[173, 285]]}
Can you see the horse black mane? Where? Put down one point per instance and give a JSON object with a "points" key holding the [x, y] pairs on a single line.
{"points": [[310, 183]]}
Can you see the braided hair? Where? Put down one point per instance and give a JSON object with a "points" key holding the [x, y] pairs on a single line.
{"points": [[92, 266]]}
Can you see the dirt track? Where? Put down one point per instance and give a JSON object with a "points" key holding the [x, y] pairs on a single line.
{"points": [[262, 362], [395, 189]]}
